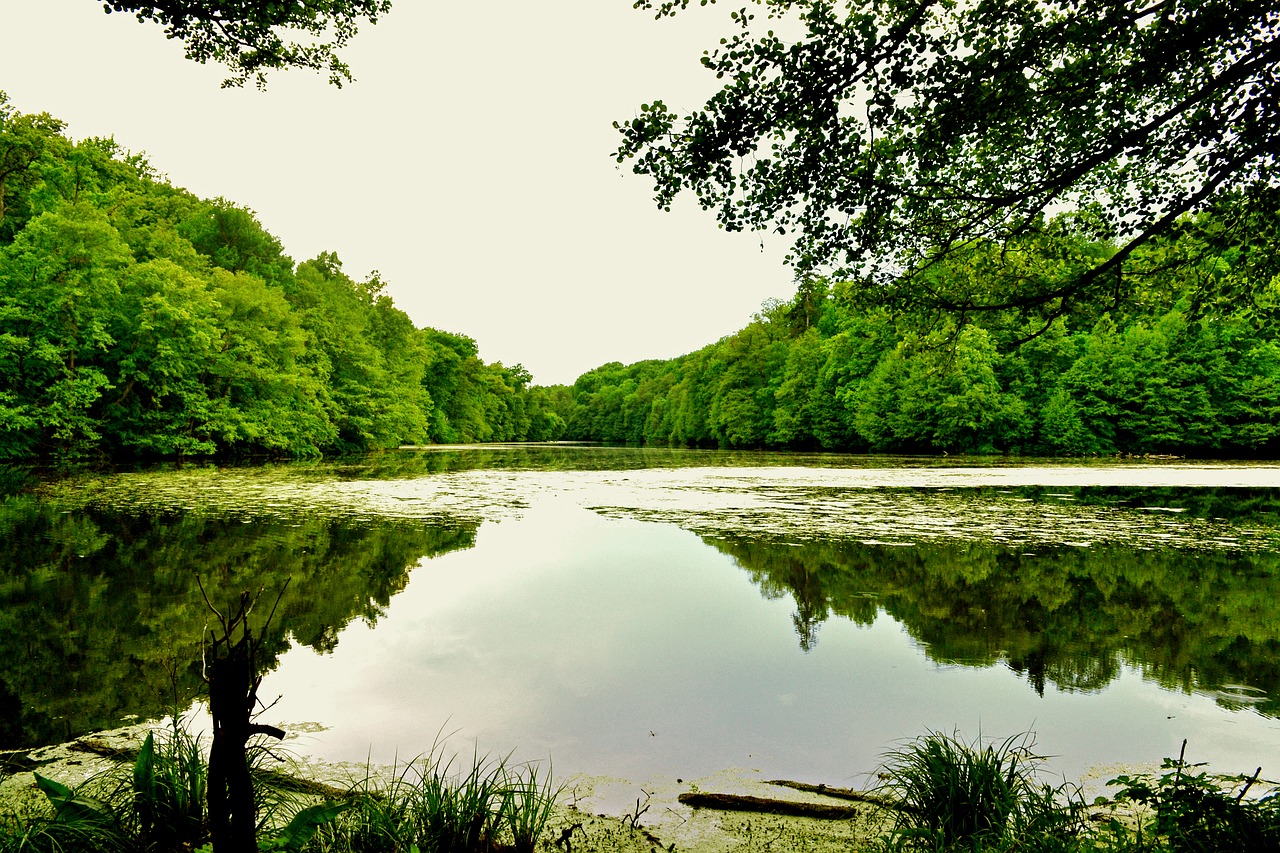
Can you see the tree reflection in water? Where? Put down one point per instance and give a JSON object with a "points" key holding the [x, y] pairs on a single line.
{"points": [[101, 617], [1066, 616]]}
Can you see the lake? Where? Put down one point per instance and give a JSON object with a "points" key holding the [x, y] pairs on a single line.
{"points": [[652, 614]]}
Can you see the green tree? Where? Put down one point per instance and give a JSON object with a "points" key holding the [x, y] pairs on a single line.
{"points": [[23, 140], [253, 38], [263, 394], [940, 393], [232, 237], [367, 353], [887, 135], [137, 320], [451, 379], [800, 394], [741, 412], [59, 291], [167, 339]]}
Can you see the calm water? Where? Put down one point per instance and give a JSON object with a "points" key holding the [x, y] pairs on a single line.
{"points": [[650, 614]]}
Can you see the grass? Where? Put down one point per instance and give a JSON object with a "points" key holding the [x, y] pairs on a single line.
{"points": [[157, 805], [527, 805], [434, 804], [971, 796], [953, 794], [947, 794]]}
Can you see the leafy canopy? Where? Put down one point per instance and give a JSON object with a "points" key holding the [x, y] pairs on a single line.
{"points": [[890, 133], [252, 37]]}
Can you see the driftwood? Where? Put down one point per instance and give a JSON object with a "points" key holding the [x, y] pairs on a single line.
{"points": [[765, 805], [839, 793]]}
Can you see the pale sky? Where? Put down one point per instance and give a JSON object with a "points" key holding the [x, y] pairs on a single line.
{"points": [[469, 163]]}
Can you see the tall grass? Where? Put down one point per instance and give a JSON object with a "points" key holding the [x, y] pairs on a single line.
{"points": [[169, 786], [437, 804], [527, 806], [953, 794]]}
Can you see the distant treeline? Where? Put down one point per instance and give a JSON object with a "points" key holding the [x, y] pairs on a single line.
{"points": [[1186, 363], [137, 320]]}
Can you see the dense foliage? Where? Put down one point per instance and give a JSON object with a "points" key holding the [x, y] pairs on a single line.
{"points": [[251, 38], [1166, 372], [886, 135], [137, 320]]}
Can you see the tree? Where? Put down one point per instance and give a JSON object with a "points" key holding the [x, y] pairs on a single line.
{"points": [[59, 287], [893, 133], [23, 139], [252, 37]]}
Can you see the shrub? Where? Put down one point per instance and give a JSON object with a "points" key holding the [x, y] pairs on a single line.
{"points": [[1203, 813]]}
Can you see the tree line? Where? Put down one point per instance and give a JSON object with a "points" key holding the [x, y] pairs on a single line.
{"points": [[139, 321], [1170, 370]]}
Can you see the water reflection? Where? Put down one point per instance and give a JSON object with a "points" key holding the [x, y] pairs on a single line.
{"points": [[590, 603], [635, 649], [1070, 617], [101, 616]]}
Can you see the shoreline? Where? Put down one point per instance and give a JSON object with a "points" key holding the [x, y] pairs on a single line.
{"points": [[594, 813]]}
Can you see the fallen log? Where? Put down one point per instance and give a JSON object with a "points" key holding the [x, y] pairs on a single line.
{"points": [[838, 793], [765, 805]]}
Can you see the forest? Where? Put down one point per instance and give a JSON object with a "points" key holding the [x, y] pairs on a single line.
{"points": [[138, 321], [1189, 365]]}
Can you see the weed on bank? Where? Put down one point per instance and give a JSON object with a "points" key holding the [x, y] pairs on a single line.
{"points": [[943, 793]]}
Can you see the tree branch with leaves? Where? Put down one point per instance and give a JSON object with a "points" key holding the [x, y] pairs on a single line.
{"points": [[252, 37], [891, 134]]}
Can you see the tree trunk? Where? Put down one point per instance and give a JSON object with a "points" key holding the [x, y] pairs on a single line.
{"points": [[232, 673]]}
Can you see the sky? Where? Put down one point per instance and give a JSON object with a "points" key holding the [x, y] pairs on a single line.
{"points": [[469, 163]]}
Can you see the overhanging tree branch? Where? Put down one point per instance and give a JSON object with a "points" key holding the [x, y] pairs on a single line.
{"points": [[898, 133], [252, 37]]}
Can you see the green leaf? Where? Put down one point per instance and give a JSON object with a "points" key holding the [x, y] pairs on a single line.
{"points": [[72, 808], [303, 826], [144, 783], [144, 768]]}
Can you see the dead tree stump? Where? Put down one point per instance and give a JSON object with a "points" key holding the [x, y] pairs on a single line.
{"points": [[233, 676]]}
